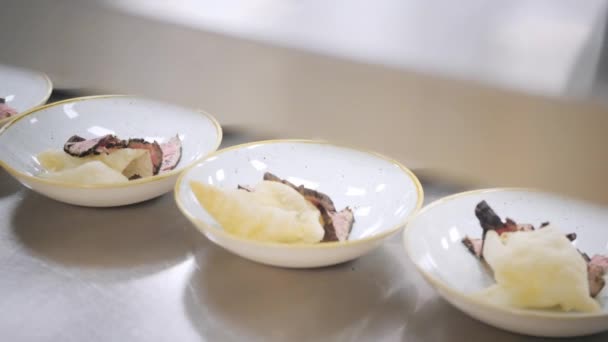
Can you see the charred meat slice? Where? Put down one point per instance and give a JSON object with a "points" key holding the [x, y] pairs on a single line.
{"points": [[473, 245], [337, 225], [80, 147], [525, 227], [172, 153], [5, 110], [487, 217], [490, 221], [245, 187], [156, 153]]}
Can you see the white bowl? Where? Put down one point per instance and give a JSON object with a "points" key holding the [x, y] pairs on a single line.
{"points": [[23, 89], [382, 192], [433, 242], [48, 127]]}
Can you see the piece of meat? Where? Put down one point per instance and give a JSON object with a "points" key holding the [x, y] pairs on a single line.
{"points": [[342, 223], [245, 187], [595, 276], [156, 153], [80, 147], [487, 217], [337, 225], [584, 255], [600, 260], [524, 227], [490, 221], [5, 110], [473, 245], [172, 153], [597, 267]]}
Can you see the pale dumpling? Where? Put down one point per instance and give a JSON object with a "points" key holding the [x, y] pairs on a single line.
{"points": [[540, 269], [272, 212], [93, 172], [126, 161]]}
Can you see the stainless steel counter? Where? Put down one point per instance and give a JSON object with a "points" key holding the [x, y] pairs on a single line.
{"points": [[143, 273]]}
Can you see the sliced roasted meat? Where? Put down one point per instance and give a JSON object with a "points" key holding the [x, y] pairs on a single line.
{"points": [[5, 110], [487, 217], [245, 187], [337, 225], [156, 153], [526, 227], [80, 147], [473, 245], [172, 153]]}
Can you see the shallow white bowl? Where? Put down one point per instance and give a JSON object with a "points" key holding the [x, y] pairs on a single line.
{"points": [[433, 242], [23, 89], [382, 192], [48, 127]]}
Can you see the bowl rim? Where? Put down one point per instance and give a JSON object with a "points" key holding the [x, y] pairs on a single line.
{"points": [[203, 226], [18, 174], [444, 288], [49, 90]]}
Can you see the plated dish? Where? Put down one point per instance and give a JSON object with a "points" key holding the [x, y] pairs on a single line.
{"points": [[108, 140], [526, 276], [300, 215], [20, 91], [276, 210], [109, 159]]}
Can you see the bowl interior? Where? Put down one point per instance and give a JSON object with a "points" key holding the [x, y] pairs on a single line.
{"points": [[381, 193], [23, 89], [433, 238], [125, 116]]}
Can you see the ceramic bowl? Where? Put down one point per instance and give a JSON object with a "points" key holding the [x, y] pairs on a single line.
{"points": [[382, 192], [23, 89], [433, 242], [48, 127]]}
